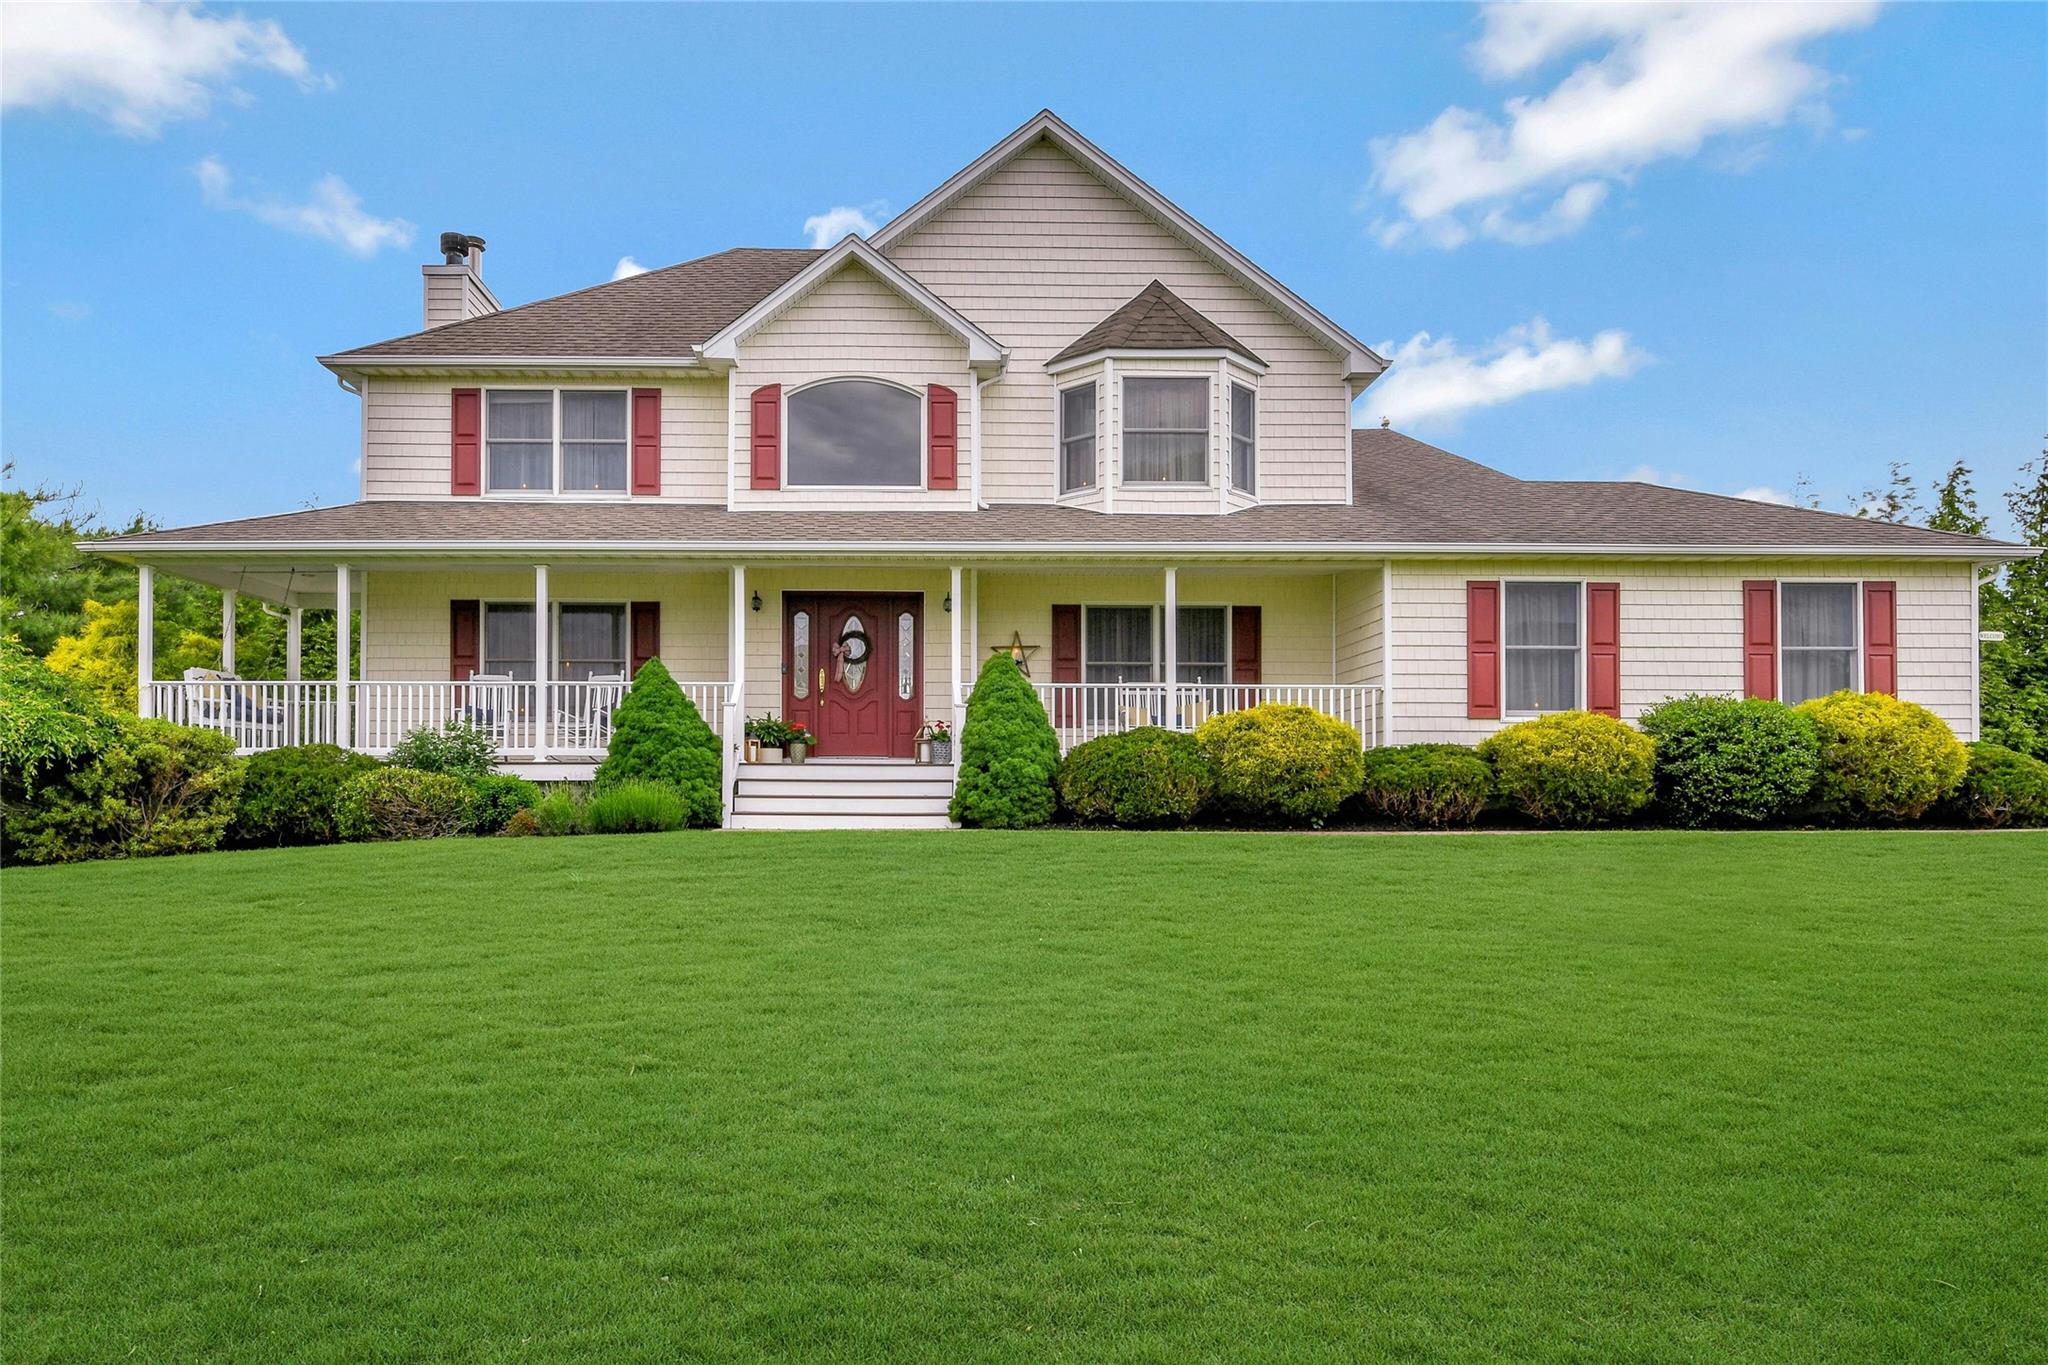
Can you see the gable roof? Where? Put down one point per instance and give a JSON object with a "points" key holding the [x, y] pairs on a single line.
{"points": [[664, 314], [1360, 360], [1413, 499], [724, 345], [1156, 320]]}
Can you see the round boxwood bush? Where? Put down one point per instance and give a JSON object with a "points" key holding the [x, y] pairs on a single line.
{"points": [[495, 798], [1881, 758], [635, 806], [2001, 787], [1282, 764], [1727, 762], [288, 795], [401, 803], [1008, 753], [1572, 768], [657, 736], [1146, 778], [1433, 785]]}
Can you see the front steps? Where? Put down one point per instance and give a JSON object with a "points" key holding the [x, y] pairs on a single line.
{"points": [[848, 793]]}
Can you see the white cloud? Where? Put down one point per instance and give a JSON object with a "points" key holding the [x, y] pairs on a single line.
{"points": [[1669, 478], [1432, 380], [331, 211], [627, 268], [1668, 79], [71, 310], [137, 66], [828, 227]]}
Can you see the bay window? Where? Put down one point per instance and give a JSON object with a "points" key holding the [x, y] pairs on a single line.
{"points": [[1244, 440], [1165, 430], [1543, 646], [1818, 648], [544, 440], [1077, 438]]}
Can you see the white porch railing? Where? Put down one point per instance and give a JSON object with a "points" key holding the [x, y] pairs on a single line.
{"points": [[1084, 711], [556, 719]]}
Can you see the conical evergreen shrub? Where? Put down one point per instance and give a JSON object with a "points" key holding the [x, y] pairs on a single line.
{"points": [[657, 736], [1008, 753]]}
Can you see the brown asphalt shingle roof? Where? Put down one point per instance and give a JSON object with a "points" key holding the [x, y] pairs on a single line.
{"points": [[1407, 494], [1156, 320], [665, 312]]}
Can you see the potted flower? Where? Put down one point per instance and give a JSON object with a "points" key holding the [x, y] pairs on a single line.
{"points": [[771, 739], [797, 741], [935, 742]]}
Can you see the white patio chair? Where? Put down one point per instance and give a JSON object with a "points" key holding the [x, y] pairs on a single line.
{"points": [[490, 703], [586, 722]]}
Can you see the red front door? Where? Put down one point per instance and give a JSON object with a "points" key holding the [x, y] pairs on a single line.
{"points": [[853, 671]]}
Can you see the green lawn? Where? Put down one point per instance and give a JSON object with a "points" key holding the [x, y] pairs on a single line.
{"points": [[1058, 1096]]}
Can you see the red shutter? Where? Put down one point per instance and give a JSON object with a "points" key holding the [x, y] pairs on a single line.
{"points": [[1603, 648], [646, 442], [466, 442], [1760, 639], [645, 634], [1245, 623], [767, 436], [1066, 662], [1482, 651], [942, 441], [1881, 637], [465, 639]]}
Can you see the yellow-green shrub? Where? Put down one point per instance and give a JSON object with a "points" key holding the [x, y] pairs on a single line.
{"points": [[1882, 758], [1573, 768], [1289, 764]]}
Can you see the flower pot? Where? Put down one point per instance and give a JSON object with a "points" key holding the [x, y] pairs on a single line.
{"points": [[942, 752], [770, 755], [797, 751]]}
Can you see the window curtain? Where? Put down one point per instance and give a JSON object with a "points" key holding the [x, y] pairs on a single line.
{"points": [[1166, 430], [520, 425], [508, 642], [592, 641], [1203, 643], [1541, 625], [1817, 633], [1120, 645], [1077, 438], [594, 441]]}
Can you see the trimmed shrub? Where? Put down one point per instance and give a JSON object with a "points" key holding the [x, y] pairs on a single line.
{"points": [[1726, 762], [556, 813], [657, 736], [1008, 754], [1882, 758], [494, 799], [49, 723], [288, 795], [157, 788], [1432, 785], [1284, 764], [1572, 768], [635, 807], [458, 749], [1147, 778], [401, 803], [2001, 787]]}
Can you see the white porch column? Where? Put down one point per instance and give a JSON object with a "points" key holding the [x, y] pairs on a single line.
{"points": [[973, 625], [541, 636], [344, 730], [294, 643], [959, 601], [145, 639], [736, 642], [1387, 651], [229, 599], [1172, 649]]}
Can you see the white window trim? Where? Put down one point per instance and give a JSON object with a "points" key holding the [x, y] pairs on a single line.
{"points": [[1578, 683], [1158, 610], [1059, 441], [1123, 428], [555, 606], [556, 491], [1778, 631], [924, 438]]}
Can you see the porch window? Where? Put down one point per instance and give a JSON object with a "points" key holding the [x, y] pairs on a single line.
{"points": [[590, 641], [1818, 649], [1203, 642], [1077, 437], [856, 433], [1119, 645], [1542, 646], [1166, 430], [1244, 439], [508, 641], [524, 456]]}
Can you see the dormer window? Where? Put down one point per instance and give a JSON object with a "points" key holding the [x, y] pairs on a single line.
{"points": [[1077, 438], [1166, 430], [523, 454], [1244, 439], [855, 433]]}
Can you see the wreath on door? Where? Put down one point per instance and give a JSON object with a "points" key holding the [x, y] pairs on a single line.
{"points": [[850, 654]]}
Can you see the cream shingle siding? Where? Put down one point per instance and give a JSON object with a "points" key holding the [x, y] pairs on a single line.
{"points": [[1681, 631], [1356, 621], [406, 434], [1040, 251], [851, 325]]}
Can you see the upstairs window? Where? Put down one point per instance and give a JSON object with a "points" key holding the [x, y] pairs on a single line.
{"points": [[1542, 645], [1077, 438], [1166, 430], [1818, 652], [1244, 439], [855, 433], [525, 456]]}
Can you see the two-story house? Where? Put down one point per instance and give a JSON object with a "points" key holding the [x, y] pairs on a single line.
{"points": [[1043, 411]]}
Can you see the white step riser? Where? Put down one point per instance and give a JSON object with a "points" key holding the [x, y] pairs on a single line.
{"points": [[888, 809], [840, 791], [845, 772], [740, 821]]}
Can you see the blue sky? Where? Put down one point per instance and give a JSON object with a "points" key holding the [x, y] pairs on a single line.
{"points": [[1712, 250]]}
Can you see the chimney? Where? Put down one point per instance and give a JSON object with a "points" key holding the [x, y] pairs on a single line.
{"points": [[455, 289]]}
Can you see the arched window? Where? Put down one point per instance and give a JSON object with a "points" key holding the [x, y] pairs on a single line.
{"points": [[855, 433]]}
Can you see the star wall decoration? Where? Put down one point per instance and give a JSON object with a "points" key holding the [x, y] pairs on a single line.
{"points": [[1017, 650]]}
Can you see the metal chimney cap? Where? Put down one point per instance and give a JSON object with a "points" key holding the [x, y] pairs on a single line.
{"points": [[456, 246]]}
